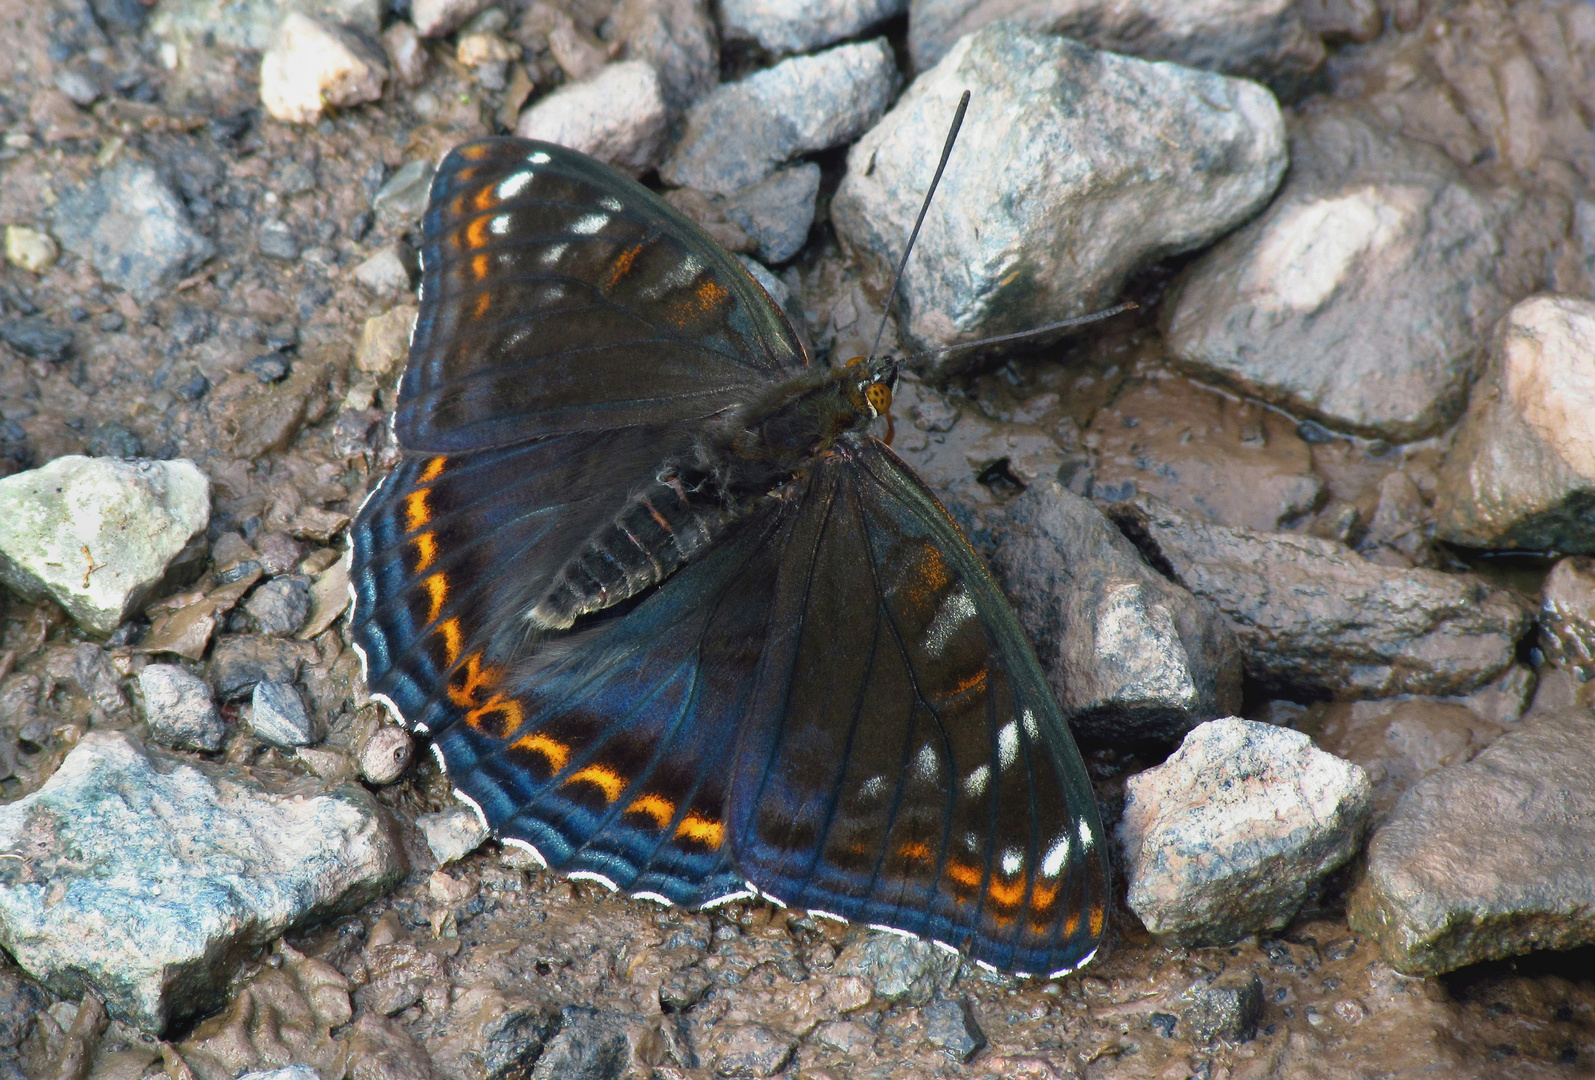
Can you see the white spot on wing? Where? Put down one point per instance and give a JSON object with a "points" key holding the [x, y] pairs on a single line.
{"points": [[883, 928], [588, 875], [927, 766], [610, 203], [956, 608], [515, 841], [874, 787], [655, 897], [437, 752], [552, 256], [499, 225], [1057, 856], [818, 914], [1084, 960], [1013, 861], [740, 894], [588, 224], [512, 186], [1028, 719], [975, 782], [473, 804], [1008, 745], [1086, 840], [538, 157]]}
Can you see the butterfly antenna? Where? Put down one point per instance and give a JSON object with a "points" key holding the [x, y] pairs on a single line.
{"points": [[1079, 320], [946, 152]]}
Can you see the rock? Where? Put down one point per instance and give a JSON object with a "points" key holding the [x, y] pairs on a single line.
{"points": [[777, 211], [132, 228], [329, 598], [279, 715], [678, 38], [752, 1050], [491, 1035], [1229, 835], [240, 661], [402, 199], [380, 1049], [276, 239], [1399, 741], [1258, 39], [287, 1072], [179, 708], [316, 64], [98, 535], [434, 18], [114, 440], [592, 1044], [284, 1011], [1212, 457], [1360, 297], [21, 1000], [407, 57], [1129, 654], [385, 755], [269, 368], [803, 26], [1490, 858], [743, 131], [949, 1024], [1567, 616], [30, 249], [37, 337], [384, 272], [1505, 700], [1312, 616], [1064, 182], [152, 911], [384, 340], [253, 24], [900, 969], [281, 605], [1227, 1010], [452, 834], [617, 115], [1521, 473]]}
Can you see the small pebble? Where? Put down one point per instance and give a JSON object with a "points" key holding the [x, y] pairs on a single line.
{"points": [[269, 367], [452, 834], [279, 715], [30, 249], [386, 754], [179, 708]]}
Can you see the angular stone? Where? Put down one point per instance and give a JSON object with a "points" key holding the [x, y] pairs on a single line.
{"points": [[1129, 654], [778, 211], [678, 38], [1230, 834], [1490, 858], [452, 834], [402, 197], [316, 64], [784, 26], [616, 115], [1064, 181], [1521, 473], [1313, 616], [37, 337], [133, 228], [950, 1025], [1360, 297], [239, 661], [1258, 39], [276, 239], [1567, 616], [100, 535], [179, 708], [281, 605], [30, 249], [152, 912], [385, 755], [900, 969], [254, 24], [592, 1044], [743, 131], [384, 272], [384, 340], [278, 715], [434, 18], [1228, 1009], [752, 1050]]}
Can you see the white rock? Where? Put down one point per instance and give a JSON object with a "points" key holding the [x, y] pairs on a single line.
{"points": [[384, 272], [152, 910], [278, 715], [434, 18], [97, 535], [1227, 837], [617, 115], [453, 834], [30, 249], [794, 26], [385, 754], [316, 64], [287, 1072], [179, 708]]}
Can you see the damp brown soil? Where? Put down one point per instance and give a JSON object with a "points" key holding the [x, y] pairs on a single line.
{"points": [[291, 459]]}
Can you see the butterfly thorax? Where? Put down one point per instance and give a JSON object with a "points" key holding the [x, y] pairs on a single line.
{"points": [[745, 455]]}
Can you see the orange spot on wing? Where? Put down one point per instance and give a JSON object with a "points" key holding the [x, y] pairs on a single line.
{"points": [[704, 830], [657, 807], [1004, 894], [416, 511], [479, 265], [437, 588], [964, 874], [500, 716], [602, 777], [705, 298], [556, 753], [468, 680], [971, 683], [473, 152], [453, 640], [485, 199], [1099, 918], [915, 852], [483, 302], [476, 233], [623, 265], [433, 470], [426, 550]]}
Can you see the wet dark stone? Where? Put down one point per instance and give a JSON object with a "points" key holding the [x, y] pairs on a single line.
{"points": [[277, 240], [1228, 1009], [950, 1025], [591, 1045], [114, 440], [1163, 1023], [111, 322], [516, 1040], [269, 367], [193, 388], [238, 663], [281, 605], [38, 338], [21, 999]]}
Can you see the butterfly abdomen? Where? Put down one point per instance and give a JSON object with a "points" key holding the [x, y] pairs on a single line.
{"points": [[657, 530]]}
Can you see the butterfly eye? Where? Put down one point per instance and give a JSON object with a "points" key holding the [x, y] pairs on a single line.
{"points": [[879, 395]]}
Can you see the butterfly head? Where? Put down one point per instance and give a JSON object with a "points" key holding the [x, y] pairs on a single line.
{"points": [[869, 383]]}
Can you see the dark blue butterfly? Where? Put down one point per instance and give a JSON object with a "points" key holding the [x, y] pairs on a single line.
{"points": [[675, 622]]}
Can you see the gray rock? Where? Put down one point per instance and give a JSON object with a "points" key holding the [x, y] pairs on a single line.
{"points": [[132, 228], [1490, 858], [1129, 653], [1230, 835], [777, 211], [276, 239], [279, 715], [752, 1050], [949, 1024], [783, 26], [153, 911], [1226, 1010], [179, 708], [1064, 181], [38, 337], [239, 661], [253, 24], [114, 440], [385, 755], [384, 272], [21, 1000], [452, 834], [1521, 473], [78, 85], [434, 18], [592, 1044], [743, 131], [100, 535], [678, 39], [402, 198], [1567, 616], [1313, 616], [287, 1072], [617, 115], [1259, 39], [281, 605], [901, 969], [1360, 297]]}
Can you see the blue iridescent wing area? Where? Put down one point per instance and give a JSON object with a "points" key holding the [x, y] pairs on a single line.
{"points": [[903, 762]]}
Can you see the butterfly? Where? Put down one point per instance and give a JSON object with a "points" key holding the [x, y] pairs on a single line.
{"points": [[673, 619]]}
